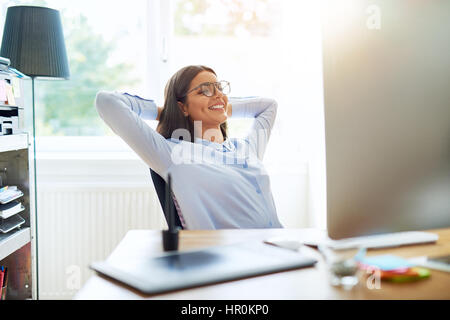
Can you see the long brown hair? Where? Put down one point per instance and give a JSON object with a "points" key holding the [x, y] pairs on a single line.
{"points": [[172, 118]]}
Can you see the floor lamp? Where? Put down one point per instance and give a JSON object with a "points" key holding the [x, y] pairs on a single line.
{"points": [[34, 42]]}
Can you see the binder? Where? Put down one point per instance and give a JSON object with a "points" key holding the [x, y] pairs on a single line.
{"points": [[10, 95], [10, 209], [4, 284], [2, 274]]}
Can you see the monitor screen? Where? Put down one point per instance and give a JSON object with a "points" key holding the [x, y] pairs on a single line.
{"points": [[387, 115]]}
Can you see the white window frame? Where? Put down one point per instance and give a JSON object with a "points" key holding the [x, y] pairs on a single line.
{"points": [[159, 43]]}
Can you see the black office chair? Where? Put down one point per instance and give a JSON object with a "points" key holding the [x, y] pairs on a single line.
{"points": [[160, 187]]}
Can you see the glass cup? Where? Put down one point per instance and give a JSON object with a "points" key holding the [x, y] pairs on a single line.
{"points": [[342, 267]]}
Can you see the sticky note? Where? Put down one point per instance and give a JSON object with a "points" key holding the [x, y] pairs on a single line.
{"points": [[385, 262], [10, 94], [16, 87], [3, 97], [412, 274]]}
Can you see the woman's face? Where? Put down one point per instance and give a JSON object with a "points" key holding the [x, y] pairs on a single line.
{"points": [[200, 107]]}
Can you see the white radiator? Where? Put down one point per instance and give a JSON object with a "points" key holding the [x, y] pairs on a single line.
{"points": [[77, 226]]}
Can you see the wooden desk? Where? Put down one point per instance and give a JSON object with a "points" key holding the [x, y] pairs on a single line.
{"points": [[308, 283]]}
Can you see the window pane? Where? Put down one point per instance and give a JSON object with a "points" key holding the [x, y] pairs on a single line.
{"points": [[105, 51], [235, 38]]}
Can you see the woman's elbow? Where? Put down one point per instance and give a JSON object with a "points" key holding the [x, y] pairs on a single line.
{"points": [[105, 103], [272, 104], [102, 99]]}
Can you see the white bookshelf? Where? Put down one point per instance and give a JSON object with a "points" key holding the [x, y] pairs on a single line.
{"points": [[18, 247]]}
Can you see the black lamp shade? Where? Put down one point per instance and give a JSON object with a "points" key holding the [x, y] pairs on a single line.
{"points": [[33, 40]]}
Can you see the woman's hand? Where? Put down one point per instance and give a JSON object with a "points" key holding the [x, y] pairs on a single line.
{"points": [[159, 113]]}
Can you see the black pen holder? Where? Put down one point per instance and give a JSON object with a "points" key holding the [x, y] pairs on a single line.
{"points": [[170, 239]]}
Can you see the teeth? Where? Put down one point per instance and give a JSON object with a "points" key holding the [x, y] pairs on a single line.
{"points": [[216, 107]]}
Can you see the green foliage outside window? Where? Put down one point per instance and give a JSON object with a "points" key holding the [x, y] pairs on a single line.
{"points": [[69, 105], [224, 17], [66, 107]]}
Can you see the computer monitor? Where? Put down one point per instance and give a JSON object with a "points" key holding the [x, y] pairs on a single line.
{"points": [[387, 115]]}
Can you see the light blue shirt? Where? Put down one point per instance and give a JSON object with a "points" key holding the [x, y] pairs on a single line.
{"points": [[217, 186]]}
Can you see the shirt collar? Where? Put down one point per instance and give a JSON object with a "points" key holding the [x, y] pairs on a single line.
{"points": [[225, 146]]}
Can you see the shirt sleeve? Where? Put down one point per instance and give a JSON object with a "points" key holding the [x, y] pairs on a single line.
{"points": [[264, 112], [125, 115]]}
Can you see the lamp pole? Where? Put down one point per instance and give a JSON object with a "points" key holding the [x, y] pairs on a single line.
{"points": [[35, 188]]}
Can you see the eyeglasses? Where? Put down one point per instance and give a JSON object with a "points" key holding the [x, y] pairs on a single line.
{"points": [[209, 88]]}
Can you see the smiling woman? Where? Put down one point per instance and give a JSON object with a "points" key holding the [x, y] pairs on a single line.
{"points": [[217, 183], [191, 96]]}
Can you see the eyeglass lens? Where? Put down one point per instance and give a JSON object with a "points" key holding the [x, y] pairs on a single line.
{"points": [[210, 89]]}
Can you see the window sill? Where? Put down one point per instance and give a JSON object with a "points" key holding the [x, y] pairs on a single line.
{"points": [[103, 156]]}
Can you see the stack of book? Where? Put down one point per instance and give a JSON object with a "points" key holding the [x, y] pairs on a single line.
{"points": [[3, 282], [9, 209]]}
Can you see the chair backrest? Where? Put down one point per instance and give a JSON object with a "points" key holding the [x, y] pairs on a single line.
{"points": [[160, 187]]}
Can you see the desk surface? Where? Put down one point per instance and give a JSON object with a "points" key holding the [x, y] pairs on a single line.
{"points": [[309, 283]]}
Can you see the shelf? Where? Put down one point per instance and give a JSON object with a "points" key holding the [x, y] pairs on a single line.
{"points": [[13, 241], [13, 142], [8, 107]]}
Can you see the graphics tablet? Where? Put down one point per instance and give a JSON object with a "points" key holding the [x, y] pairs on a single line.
{"points": [[180, 270]]}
